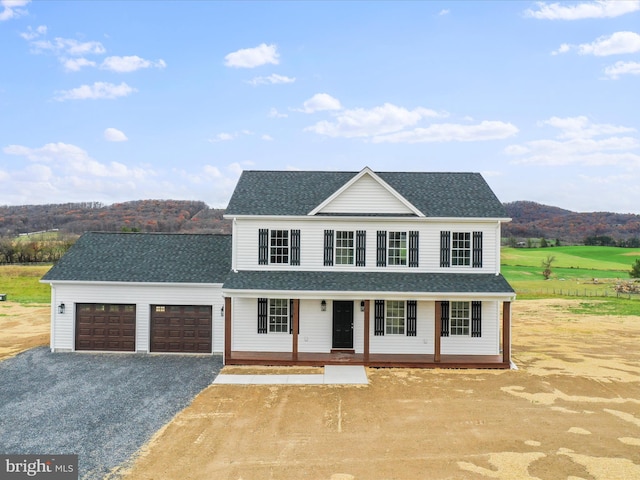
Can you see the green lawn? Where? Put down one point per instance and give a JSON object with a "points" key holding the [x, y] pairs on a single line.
{"points": [[21, 283]]}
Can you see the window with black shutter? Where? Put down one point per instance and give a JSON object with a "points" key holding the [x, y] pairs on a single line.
{"points": [[445, 249], [413, 248], [477, 250], [328, 248], [361, 244], [444, 319], [412, 318], [262, 315], [295, 248], [263, 246], [291, 315], [379, 318], [476, 319], [381, 249]]}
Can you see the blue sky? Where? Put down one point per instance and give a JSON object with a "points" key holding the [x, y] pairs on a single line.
{"points": [[115, 101]]}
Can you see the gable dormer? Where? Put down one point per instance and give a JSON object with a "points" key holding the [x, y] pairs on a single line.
{"points": [[366, 194]]}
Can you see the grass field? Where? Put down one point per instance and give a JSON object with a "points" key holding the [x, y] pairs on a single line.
{"points": [[22, 284]]}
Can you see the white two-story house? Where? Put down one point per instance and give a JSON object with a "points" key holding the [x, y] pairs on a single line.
{"points": [[372, 268], [382, 269]]}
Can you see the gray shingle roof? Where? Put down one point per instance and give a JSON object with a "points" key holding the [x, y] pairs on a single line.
{"points": [[435, 194], [145, 257], [367, 282]]}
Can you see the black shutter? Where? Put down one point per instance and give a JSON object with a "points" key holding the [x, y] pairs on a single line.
{"points": [[263, 247], [445, 249], [291, 315], [295, 248], [476, 319], [412, 316], [361, 245], [477, 250], [379, 318], [381, 250], [262, 315], [328, 248], [444, 319], [413, 249]]}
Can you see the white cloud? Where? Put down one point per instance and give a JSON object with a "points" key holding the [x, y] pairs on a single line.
{"points": [[444, 11], [70, 158], [579, 142], [579, 11], [68, 46], [11, 9], [320, 102], [253, 57], [622, 68], [271, 79], [98, 90], [75, 64], [223, 137], [360, 122], [267, 138], [129, 63], [114, 135], [452, 132], [273, 113], [615, 44], [32, 33]]}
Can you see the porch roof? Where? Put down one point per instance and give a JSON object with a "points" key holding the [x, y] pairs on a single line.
{"points": [[367, 282]]}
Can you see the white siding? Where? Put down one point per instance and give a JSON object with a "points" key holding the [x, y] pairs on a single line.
{"points": [[422, 343], [487, 344], [245, 336], [142, 296], [312, 243], [366, 195]]}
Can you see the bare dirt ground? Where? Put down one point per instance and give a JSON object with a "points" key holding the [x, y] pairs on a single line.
{"points": [[22, 327], [571, 411]]}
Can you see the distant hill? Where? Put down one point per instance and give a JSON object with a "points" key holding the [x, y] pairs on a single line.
{"points": [[530, 220], [141, 215], [533, 220]]}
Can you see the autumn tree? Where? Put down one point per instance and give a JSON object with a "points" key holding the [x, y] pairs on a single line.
{"points": [[546, 264]]}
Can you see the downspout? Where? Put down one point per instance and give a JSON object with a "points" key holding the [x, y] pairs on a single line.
{"points": [[234, 249], [498, 241], [53, 318]]}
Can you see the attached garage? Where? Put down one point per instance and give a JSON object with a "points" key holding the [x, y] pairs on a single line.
{"points": [[135, 292], [105, 327], [181, 328]]}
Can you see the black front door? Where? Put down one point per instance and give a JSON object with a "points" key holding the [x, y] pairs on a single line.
{"points": [[343, 324]]}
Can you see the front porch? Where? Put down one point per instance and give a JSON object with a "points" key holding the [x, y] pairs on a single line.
{"points": [[371, 360]]}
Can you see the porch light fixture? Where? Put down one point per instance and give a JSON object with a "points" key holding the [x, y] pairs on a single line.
{"points": [[362, 306], [222, 311], [323, 305], [61, 308]]}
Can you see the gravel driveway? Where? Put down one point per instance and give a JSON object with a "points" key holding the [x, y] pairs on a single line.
{"points": [[102, 407]]}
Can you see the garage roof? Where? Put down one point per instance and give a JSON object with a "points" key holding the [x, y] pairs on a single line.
{"points": [[145, 257], [398, 282]]}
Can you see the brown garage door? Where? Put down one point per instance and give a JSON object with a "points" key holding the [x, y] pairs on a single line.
{"points": [[103, 326], [180, 328]]}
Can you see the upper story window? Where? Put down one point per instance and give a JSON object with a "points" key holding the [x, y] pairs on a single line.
{"points": [[278, 247], [397, 248], [461, 249], [344, 248]]}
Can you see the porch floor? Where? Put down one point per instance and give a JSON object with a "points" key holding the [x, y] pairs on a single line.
{"points": [[371, 360]]}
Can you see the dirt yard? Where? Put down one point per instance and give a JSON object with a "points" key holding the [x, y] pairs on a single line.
{"points": [[571, 411], [22, 327]]}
